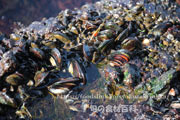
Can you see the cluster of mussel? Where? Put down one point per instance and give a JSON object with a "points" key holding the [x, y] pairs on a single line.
{"points": [[144, 65], [140, 51], [52, 56], [28, 69]]}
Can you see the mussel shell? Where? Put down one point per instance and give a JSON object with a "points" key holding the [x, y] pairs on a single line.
{"points": [[105, 45], [105, 34], [15, 79], [119, 58], [76, 70], [37, 53], [62, 37], [40, 77], [130, 44], [102, 37], [88, 52], [56, 59], [65, 82], [125, 33]]}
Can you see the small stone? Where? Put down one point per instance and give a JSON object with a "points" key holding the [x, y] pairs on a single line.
{"points": [[165, 43], [30, 83], [175, 105], [146, 42], [170, 37], [172, 92]]}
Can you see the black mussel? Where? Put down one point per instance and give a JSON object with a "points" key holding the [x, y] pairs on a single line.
{"points": [[56, 58], [125, 33], [105, 45], [15, 79], [74, 30], [62, 37], [76, 70], [70, 81], [130, 44], [105, 34], [38, 53], [88, 52], [40, 77]]}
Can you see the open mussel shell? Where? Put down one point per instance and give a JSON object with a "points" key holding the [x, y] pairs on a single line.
{"points": [[39, 77], [119, 58], [63, 85], [38, 53], [15, 79], [56, 58], [76, 70], [64, 82]]}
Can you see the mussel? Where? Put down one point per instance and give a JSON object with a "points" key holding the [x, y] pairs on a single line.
{"points": [[88, 52], [15, 79], [62, 37], [76, 70], [63, 85], [119, 58], [130, 44], [56, 58], [38, 53], [39, 77]]}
